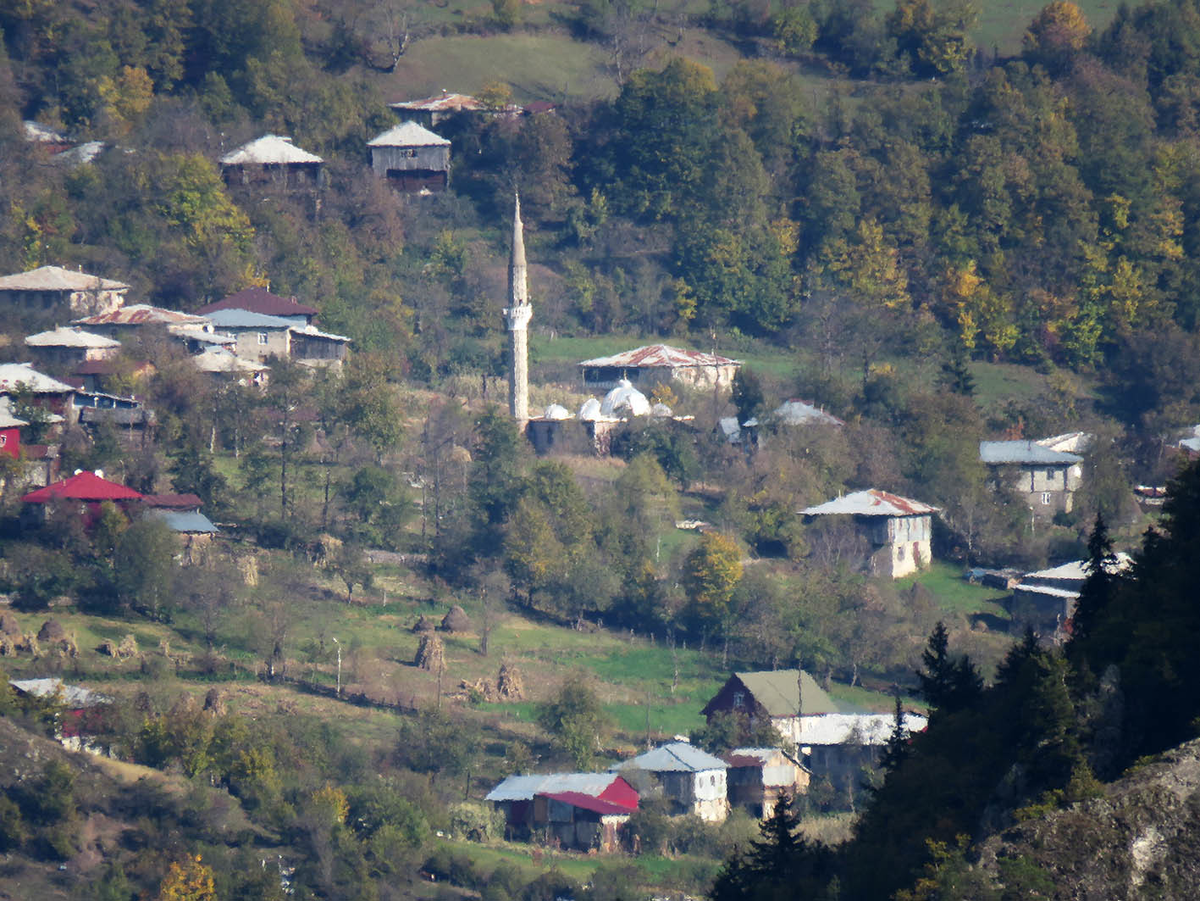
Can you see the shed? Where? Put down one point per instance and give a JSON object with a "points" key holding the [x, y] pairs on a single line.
{"points": [[759, 777], [272, 158], [899, 529], [429, 111], [691, 779], [580, 822], [514, 796], [839, 746], [411, 157], [1045, 600], [654, 364], [53, 289]]}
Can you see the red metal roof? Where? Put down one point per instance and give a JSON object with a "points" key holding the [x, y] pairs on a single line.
{"points": [[83, 486], [587, 802], [260, 300], [652, 355]]}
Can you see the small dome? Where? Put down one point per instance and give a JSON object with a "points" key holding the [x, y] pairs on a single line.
{"points": [[625, 400], [556, 411], [590, 411], [661, 409]]}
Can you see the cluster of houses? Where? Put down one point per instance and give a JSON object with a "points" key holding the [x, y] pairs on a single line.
{"points": [[589, 811]]}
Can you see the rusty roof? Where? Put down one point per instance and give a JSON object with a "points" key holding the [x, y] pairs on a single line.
{"points": [[871, 502], [661, 355], [141, 314]]}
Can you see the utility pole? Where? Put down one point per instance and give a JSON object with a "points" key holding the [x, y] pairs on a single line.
{"points": [[339, 664]]}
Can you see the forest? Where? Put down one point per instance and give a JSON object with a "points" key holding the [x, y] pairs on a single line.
{"points": [[936, 236]]}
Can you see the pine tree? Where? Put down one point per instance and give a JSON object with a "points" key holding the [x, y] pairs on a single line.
{"points": [[896, 749], [1098, 588], [948, 684]]}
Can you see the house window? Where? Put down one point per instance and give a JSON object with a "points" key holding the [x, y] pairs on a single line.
{"points": [[1045, 497], [739, 699], [262, 337], [3, 440]]}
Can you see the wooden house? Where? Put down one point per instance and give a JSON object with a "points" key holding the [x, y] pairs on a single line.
{"points": [[778, 696], [692, 780], [759, 777], [1044, 478], [53, 290], [577, 821], [69, 346], [517, 798], [412, 158], [272, 159], [899, 530], [655, 364]]}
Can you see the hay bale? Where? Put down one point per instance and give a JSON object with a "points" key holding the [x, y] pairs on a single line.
{"points": [[423, 624], [28, 642], [9, 625], [127, 648], [7, 648], [431, 654], [51, 630], [456, 620], [509, 685], [214, 702]]}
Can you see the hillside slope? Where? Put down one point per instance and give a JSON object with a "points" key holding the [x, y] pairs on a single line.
{"points": [[1141, 839]]}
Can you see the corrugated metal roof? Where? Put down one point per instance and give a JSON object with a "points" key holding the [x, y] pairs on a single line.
{"points": [[67, 336], [871, 502], [260, 300], [803, 412], [230, 318], [141, 314], [83, 486], [443, 102], [7, 419], [313, 332], [675, 757], [269, 149], [14, 374], [1077, 570], [1068, 442], [408, 134], [73, 696], [55, 278], [185, 521], [1029, 453], [778, 692], [587, 802], [37, 133], [855, 728], [523, 788], [660, 355]]}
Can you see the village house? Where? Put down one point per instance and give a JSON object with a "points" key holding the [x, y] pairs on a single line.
{"points": [[780, 696], [86, 491], [54, 398], [577, 810], [77, 706], [272, 159], [260, 337], [840, 747], [10, 430], [898, 529], [656, 364], [68, 346], [412, 158], [1045, 479], [691, 780], [127, 320], [429, 111], [263, 302], [181, 514], [759, 777], [789, 414], [63, 292], [1045, 600]]}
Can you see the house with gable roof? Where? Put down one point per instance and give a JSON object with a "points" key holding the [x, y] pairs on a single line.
{"points": [[563, 802], [69, 346], [272, 159], [1044, 477], [780, 696], [50, 395], [261, 301], [55, 290], [759, 777], [692, 780], [899, 530], [840, 747], [654, 364]]}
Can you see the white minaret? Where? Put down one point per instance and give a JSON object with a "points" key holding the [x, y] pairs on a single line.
{"points": [[517, 317]]}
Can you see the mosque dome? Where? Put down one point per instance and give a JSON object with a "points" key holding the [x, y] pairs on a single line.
{"points": [[590, 411], [556, 411], [625, 400]]}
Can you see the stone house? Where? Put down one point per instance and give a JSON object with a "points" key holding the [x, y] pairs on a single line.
{"points": [[1045, 479], [691, 780], [412, 158], [58, 291], [898, 529], [780, 696], [655, 364], [68, 346], [260, 337]]}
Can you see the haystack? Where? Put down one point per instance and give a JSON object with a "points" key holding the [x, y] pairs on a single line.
{"points": [[214, 702], [456, 620], [9, 625], [51, 630], [431, 654], [423, 624], [509, 685]]}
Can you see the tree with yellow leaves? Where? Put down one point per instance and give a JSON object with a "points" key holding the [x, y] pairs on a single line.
{"points": [[1057, 33], [187, 880]]}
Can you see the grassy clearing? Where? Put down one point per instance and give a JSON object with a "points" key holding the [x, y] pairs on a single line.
{"points": [[954, 594]]}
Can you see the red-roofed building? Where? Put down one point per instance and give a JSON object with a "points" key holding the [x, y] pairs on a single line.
{"points": [[87, 489], [263, 302], [579, 821], [654, 364]]}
